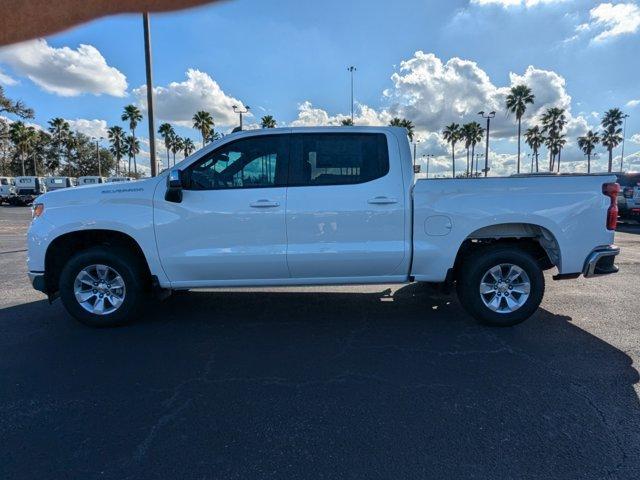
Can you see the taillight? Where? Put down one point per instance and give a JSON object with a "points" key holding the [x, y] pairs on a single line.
{"points": [[611, 190]]}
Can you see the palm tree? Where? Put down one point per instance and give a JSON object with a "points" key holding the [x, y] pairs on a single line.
{"points": [[167, 132], [452, 134], [132, 147], [177, 145], [611, 122], [132, 115], [466, 132], [553, 122], [517, 101], [476, 135], [535, 139], [118, 148], [403, 122], [560, 142], [611, 138], [347, 122], [187, 147], [203, 122], [587, 144], [60, 130], [268, 122], [22, 138]]}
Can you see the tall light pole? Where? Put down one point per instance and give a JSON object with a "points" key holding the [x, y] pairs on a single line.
{"points": [[428, 156], [414, 152], [486, 152], [241, 111], [624, 133], [478, 157], [147, 59], [353, 69]]}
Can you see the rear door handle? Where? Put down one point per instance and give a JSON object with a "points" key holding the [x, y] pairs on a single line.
{"points": [[382, 200], [264, 203]]}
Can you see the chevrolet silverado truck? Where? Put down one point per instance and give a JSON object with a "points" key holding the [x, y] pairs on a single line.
{"points": [[318, 206]]}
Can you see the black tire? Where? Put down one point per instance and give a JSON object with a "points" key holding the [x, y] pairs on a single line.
{"points": [[129, 268], [478, 263]]}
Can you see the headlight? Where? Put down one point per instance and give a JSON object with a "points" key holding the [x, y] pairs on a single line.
{"points": [[37, 209]]}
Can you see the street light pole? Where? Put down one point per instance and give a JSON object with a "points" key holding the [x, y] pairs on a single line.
{"points": [[98, 155], [353, 69], [624, 133], [147, 58], [486, 154], [241, 111]]}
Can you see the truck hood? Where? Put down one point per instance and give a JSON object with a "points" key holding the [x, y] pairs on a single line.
{"points": [[101, 193]]}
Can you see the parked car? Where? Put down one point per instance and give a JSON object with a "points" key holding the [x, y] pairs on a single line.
{"points": [[27, 190], [629, 196], [90, 180], [119, 179], [56, 183], [7, 189], [319, 206]]}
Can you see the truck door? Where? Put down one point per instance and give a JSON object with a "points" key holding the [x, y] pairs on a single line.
{"points": [[346, 208], [230, 225]]}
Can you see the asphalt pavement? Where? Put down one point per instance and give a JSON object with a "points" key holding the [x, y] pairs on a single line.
{"points": [[335, 382]]}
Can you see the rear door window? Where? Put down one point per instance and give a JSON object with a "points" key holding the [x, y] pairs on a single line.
{"points": [[320, 159]]}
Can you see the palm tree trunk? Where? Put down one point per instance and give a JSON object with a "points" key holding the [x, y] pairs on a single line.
{"points": [[468, 174], [22, 161], [610, 159], [559, 157], [453, 159], [135, 165], [588, 162], [519, 129], [129, 166], [537, 166]]}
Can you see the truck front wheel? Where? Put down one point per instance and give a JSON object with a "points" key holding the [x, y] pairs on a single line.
{"points": [[102, 287], [500, 285]]}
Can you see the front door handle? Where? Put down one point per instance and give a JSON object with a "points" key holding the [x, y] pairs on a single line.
{"points": [[264, 203], [382, 200]]}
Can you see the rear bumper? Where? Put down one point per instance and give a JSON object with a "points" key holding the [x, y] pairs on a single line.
{"points": [[37, 281], [600, 261]]}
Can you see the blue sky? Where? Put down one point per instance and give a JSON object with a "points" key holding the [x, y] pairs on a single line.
{"points": [[289, 59]]}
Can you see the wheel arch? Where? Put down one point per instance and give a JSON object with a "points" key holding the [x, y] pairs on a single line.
{"points": [[535, 239], [63, 247]]}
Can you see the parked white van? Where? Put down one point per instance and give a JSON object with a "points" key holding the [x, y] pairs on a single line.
{"points": [[56, 183], [119, 179], [90, 180], [27, 189], [7, 188]]}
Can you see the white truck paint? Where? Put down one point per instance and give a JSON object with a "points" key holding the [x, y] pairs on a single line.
{"points": [[388, 229], [7, 188]]}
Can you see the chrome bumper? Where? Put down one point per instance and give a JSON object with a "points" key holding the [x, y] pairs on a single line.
{"points": [[37, 281], [600, 261]]}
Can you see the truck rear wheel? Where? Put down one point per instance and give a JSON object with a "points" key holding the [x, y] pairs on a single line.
{"points": [[103, 287], [500, 286]]}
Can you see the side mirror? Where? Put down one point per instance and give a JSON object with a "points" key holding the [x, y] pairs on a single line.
{"points": [[174, 187]]}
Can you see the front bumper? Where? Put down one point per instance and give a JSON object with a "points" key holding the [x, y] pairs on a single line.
{"points": [[600, 261], [37, 281]]}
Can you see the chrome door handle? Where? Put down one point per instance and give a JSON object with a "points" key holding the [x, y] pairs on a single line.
{"points": [[264, 203], [382, 200]]}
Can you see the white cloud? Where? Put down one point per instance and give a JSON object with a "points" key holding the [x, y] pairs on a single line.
{"points": [[515, 3], [178, 101], [635, 138], [92, 128], [612, 20], [65, 71], [6, 79], [633, 103], [309, 116]]}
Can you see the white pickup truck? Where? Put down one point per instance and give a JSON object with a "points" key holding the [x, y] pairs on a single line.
{"points": [[318, 206]]}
